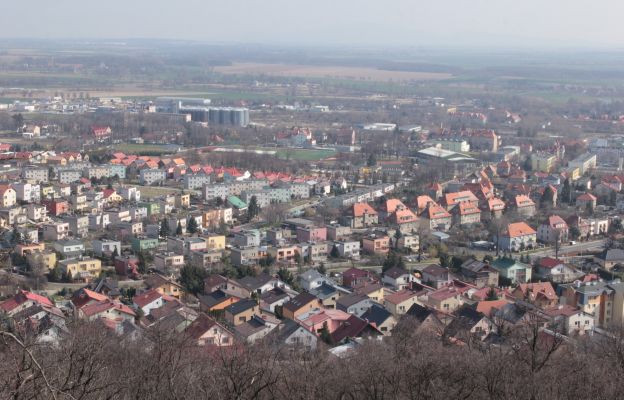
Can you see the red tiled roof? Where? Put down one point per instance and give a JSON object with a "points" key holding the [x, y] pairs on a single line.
{"points": [[146, 298], [520, 229], [359, 209]]}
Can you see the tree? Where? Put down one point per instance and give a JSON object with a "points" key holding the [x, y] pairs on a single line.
{"points": [[372, 160], [192, 278], [286, 276], [547, 199], [18, 120], [252, 208], [192, 227], [164, 228], [115, 253], [491, 295], [334, 253], [392, 260], [179, 229], [566, 192], [612, 198], [321, 269]]}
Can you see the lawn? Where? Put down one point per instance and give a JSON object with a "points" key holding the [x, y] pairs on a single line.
{"points": [[304, 154], [146, 149]]}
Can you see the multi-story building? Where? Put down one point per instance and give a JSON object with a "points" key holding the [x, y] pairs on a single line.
{"points": [[149, 177], [78, 224], [195, 181], [55, 231], [524, 205], [84, 269], [244, 256], [129, 193], [168, 262], [35, 174], [584, 163], [217, 216], [8, 197], [69, 175], [467, 213], [348, 248], [544, 162], [186, 245], [518, 236], [106, 246], [376, 244], [552, 231], [97, 172], [311, 234], [36, 212], [604, 301]]}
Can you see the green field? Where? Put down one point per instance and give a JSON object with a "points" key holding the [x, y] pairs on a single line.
{"points": [[144, 149], [304, 154]]}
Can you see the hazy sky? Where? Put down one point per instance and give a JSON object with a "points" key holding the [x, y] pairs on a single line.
{"points": [[568, 23]]}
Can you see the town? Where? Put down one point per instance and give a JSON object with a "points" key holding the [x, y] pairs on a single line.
{"points": [[299, 238]]}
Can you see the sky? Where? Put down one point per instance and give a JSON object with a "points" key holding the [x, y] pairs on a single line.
{"points": [[479, 23]]}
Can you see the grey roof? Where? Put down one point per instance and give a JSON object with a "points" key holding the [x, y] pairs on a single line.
{"points": [[436, 270], [613, 255], [311, 275], [419, 312], [395, 272], [241, 306], [473, 265], [351, 299], [273, 295], [324, 291], [376, 314], [214, 298], [299, 301], [254, 282]]}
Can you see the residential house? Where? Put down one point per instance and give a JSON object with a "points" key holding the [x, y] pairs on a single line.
{"points": [[517, 237], [354, 303], [524, 206], [397, 278], [609, 258], [570, 320], [206, 331], [479, 274], [398, 303], [380, 318], [147, 301], [241, 311], [299, 305], [555, 230], [586, 201], [376, 244], [540, 294], [515, 271], [435, 276], [556, 271]]}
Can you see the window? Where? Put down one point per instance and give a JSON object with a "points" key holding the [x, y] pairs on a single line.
{"points": [[241, 319]]}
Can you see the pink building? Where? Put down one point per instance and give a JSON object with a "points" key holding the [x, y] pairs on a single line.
{"points": [[311, 234]]}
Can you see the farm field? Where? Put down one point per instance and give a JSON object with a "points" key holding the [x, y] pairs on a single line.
{"points": [[313, 71]]}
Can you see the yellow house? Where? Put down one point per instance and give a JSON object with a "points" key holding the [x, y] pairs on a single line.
{"points": [[45, 259], [215, 242], [574, 173], [241, 311], [398, 303], [113, 197], [183, 200], [81, 268], [47, 191], [446, 299], [373, 291], [23, 249], [165, 286]]}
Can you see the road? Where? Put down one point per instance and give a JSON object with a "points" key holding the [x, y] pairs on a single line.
{"points": [[580, 247]]}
